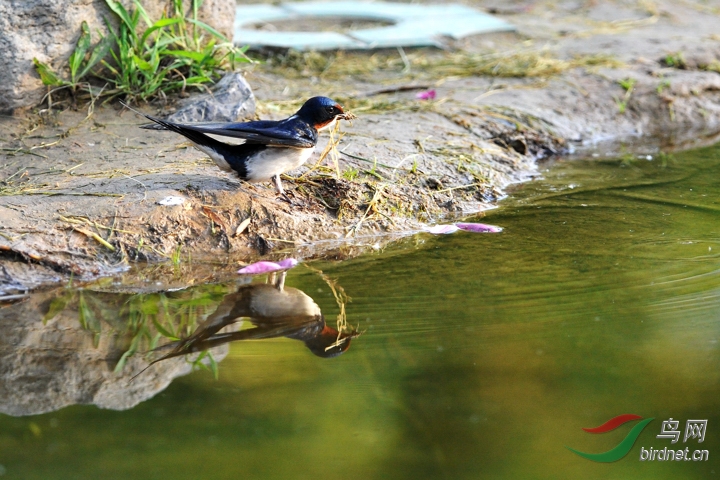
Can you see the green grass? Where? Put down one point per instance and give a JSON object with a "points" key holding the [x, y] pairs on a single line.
{"points": [[427, 62], [143, 319], [143, 59], [674, 60], [628, 85]]}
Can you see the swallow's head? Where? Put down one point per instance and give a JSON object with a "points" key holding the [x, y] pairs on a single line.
{"points": [[321, 112], [329, 342]]}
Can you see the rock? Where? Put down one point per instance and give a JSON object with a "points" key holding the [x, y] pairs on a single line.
{"points": [[231, 100], [48, 30], [48, 365]]}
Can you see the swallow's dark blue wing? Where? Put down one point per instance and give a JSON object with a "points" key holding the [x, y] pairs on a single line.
{"points": [[290, 132]]}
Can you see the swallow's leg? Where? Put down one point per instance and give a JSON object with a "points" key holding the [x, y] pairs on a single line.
{"points": [[280, 281], [283, 195], [278, 185]]}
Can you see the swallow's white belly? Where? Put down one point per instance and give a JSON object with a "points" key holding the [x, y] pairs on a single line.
{"points": [[275, 160]]}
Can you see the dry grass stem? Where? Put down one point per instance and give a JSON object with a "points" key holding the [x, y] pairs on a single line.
{"points": [[342, 299], [372, 206], [95, 237]]}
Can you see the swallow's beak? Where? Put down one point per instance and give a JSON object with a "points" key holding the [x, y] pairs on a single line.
{"points": [[344, 115]]}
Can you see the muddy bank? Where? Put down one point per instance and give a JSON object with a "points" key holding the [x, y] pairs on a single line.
{"points": [[79, 193]]}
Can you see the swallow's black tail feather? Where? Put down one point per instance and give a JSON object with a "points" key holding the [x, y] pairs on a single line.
{"points": [[153, 126], [189, 133], [234, 155]]}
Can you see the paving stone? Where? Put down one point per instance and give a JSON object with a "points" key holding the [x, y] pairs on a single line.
{"points": [[413, 25]]}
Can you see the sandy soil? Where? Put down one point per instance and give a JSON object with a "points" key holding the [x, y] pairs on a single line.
{"points": [[79, 194]]}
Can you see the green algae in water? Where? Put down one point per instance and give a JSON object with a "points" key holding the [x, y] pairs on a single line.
{"points": [[483, 355]]}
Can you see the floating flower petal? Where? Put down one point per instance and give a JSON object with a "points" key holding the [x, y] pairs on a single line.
{"points": [[441, 229], [287, 263], [478, 227], [267, 267], [426, 95]]}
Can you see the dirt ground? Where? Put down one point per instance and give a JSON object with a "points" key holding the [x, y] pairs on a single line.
{"points": [[79, 190]]}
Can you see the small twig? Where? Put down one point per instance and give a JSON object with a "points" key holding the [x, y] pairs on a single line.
{"points": [[342, 299], [376, 197], [333, 148], [141, 184], [52, 194], [215, 218], [459, 187], [399, 88], [45, 145], [362, 159], [300, 179], [95, 237], [7, 298], [85, 221], [280, 240], [11, 176], [73, 168], [408, 157], [404, 59], [330, 147], [15, 151], [374, 174], [91, 107]]}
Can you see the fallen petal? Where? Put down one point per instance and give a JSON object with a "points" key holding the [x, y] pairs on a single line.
{"points": [[267, 267], [426, 95], [441, 229], [288, 263], [478, 227], [243, 225]]}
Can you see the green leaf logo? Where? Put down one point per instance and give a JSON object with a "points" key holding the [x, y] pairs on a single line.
{"points": [[622, 448]]}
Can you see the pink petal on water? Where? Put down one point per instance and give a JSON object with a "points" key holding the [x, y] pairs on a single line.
{"points": [[478, 227], [426, 95], [287, 263], [267, 267], [441, 229]]}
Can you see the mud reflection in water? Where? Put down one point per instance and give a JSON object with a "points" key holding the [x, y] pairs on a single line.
{"points": [[83, 346]]}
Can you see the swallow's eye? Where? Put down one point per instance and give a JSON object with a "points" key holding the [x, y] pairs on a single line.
{"points": [[331, 110]]}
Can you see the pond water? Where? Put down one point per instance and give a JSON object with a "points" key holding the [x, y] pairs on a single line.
{"points": [[482, 355]]}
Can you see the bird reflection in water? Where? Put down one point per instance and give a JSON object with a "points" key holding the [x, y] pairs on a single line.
{"points": [[274, 311]]}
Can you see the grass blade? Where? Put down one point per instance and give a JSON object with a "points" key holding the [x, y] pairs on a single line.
{"points": [[78, 55], [165, 22], [98, 53], [120, 11], [47, 76], [197, 56], [208, 28]]}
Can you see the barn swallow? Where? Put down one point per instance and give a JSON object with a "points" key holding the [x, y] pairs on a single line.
{"points": [[274, 310], [269, 147]]}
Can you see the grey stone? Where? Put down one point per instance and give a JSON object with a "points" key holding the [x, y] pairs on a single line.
{"points": [[48, 30], [231, 100], [45, 366]]}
